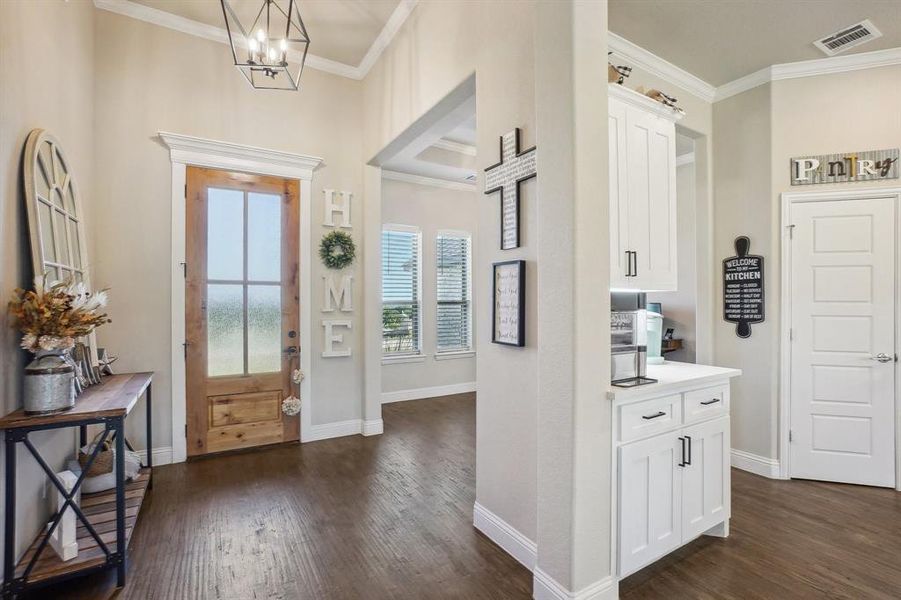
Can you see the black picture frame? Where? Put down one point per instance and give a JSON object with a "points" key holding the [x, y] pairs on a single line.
{"points": [[500, 189], [520, 298]]}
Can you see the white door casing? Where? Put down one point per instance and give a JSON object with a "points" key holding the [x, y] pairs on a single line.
{"points": [[842, 317]]}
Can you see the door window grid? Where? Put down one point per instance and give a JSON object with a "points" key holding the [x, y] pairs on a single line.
{"points": [[254, 346]]}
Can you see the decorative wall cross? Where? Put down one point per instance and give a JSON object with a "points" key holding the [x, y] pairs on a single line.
{"points": [[515, 167]]}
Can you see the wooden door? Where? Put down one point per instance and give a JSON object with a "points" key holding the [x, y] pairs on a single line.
{"points": [[650, 499], [241, 309], [706, 497], [843, 265]]}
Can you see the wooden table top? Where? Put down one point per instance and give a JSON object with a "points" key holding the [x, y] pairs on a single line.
{"points": [[115, 396]]}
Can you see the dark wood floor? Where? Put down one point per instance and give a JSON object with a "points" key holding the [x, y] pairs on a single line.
{"points": [[390, 517]]}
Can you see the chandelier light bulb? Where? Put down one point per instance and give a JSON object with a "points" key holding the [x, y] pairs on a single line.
{"points": [[284, 45], [272, 54], [252, 45], [260, 35]]}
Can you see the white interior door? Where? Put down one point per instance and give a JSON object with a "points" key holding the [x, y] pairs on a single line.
{"points": [[843, 257]]}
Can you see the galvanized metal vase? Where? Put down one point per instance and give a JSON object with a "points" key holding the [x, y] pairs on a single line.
{"points": [[49, 383]]}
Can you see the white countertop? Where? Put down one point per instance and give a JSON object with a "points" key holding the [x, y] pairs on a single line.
{"points": [[673, 377]]}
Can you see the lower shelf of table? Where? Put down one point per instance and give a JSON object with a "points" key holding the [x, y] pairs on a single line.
{"points": [[100, 510]]}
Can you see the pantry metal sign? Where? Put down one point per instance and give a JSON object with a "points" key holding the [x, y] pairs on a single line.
{"points": [[850, 166]]}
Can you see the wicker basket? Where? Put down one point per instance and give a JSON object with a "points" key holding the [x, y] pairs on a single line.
{"points": [[103, 463]]}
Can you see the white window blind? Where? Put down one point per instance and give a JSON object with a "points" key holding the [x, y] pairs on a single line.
{"points": [[400, 290], [454, 302]]}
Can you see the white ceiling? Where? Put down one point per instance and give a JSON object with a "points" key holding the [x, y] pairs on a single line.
{"points": [[723, 40], [339, 30]]}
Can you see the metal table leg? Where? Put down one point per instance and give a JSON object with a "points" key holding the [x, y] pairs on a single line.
{"points": [[119, 426], [9, 522]]}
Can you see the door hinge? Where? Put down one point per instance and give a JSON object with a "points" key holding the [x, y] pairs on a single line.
{"points": [[791, 232], [791, 436], [791, 334], [186, 430], [185, 346], [186, 191], [184, 269]]}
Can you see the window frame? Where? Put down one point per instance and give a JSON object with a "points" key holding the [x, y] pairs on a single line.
{"points": [[420, 342], [470, 338]]}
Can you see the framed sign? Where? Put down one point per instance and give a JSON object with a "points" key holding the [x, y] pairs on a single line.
{"points": [[508, 319], [743, 288], [872, 165]]}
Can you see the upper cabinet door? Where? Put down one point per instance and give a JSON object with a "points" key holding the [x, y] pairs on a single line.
{"points": [[619, 205], [642, 194]]}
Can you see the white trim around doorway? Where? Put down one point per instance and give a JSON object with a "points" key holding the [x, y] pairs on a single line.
{"points": [[789, 198], [187, 150]]}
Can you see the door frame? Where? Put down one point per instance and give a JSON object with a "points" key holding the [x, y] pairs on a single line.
{"points": [[187, 150], [788, 199]]}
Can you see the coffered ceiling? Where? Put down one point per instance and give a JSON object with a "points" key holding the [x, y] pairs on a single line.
{"points": [[722, 40]]}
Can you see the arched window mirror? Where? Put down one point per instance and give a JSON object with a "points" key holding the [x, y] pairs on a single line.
{"points": [[55, 219]]}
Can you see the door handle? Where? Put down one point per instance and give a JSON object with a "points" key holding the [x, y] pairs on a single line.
{"points": [[682, 463], [290, 350], [882, 357], [654, 416], [635, 260], [628, 263], [688, 462]]}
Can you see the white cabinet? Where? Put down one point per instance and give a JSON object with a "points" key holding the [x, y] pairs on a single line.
{"points": [[673, 480], [642, 189]]}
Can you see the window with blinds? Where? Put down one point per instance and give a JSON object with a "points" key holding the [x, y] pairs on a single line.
{"points": [[401, 332], [454, 301]]}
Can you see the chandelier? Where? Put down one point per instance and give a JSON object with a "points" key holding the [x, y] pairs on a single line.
{"points": [[272, 50]]}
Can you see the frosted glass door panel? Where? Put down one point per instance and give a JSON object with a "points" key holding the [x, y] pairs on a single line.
{"points": [[264, 326], [264, 237], [225, 329], [225, 234]]}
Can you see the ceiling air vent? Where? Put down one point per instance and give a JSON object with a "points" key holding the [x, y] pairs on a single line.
{"points": [[849, 37]]}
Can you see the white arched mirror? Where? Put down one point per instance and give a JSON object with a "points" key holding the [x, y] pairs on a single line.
{"points": [[55, 220]]}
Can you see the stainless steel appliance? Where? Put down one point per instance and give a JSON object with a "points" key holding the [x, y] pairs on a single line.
{"points": [[628, 339]]}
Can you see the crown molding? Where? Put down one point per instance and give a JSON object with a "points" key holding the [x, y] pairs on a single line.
{"points": [[630, 96], [203, 152], [655, 65], [168, 20], [455, 147], [743, 84], [429, 181]]}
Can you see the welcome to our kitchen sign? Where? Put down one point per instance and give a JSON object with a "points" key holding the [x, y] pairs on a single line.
{"points": [[850, 166]]}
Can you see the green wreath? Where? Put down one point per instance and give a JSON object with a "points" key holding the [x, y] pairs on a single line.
{"points": [[337, 250]]}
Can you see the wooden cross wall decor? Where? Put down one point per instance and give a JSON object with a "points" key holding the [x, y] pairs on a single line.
{"points": [[515, 167]]}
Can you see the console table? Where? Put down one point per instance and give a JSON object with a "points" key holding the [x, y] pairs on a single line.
{"points": [[107, 518]]}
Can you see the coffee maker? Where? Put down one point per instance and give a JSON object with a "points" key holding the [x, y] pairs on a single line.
{"points": [[629, 339]]}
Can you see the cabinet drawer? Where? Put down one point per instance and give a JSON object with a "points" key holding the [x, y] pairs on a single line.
{"points": [[706, 403], [649, 417]]}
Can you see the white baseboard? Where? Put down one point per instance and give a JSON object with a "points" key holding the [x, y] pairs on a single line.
{"points": [[546, 587], [373, 427], [336, 429], [759, 465], [504, 535], [428, 392], [161, 456]]}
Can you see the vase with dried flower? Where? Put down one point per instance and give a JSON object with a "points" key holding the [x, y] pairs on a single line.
{"points": [[52, 317]]}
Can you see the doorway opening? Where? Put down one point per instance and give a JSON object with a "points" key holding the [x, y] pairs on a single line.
{"points": [[241, 309], [841, 324]]}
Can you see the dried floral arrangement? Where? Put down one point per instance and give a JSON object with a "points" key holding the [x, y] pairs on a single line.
{"points": [[52, 317]]}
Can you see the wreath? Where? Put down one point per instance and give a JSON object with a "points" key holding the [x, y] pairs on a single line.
{"points": [[337, 250]]}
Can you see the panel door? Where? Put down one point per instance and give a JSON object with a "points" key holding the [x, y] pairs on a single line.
{"points": [[706, 498], [652, 201], [241, 309], [619, 195], [844, 257], [650, 499]]}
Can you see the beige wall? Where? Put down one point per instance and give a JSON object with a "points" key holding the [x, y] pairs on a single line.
{"points": [[757, 132], [432, 209], [46, 68], [145, 84]]}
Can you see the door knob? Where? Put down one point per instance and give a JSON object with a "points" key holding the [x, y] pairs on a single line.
{"points": [[882, 357]]}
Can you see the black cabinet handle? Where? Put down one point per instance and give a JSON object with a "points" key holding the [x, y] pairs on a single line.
{"points": [[628, 263], [688, 462], [682, 463], [649, 417], [709, 402], [635, 259]]}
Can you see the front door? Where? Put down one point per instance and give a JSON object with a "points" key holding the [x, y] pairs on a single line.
{"points": [[843, 269], [241, 309]]}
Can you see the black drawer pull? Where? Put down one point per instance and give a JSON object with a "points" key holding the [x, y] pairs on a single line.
{"points": [[709, 402], [649, 417]]}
